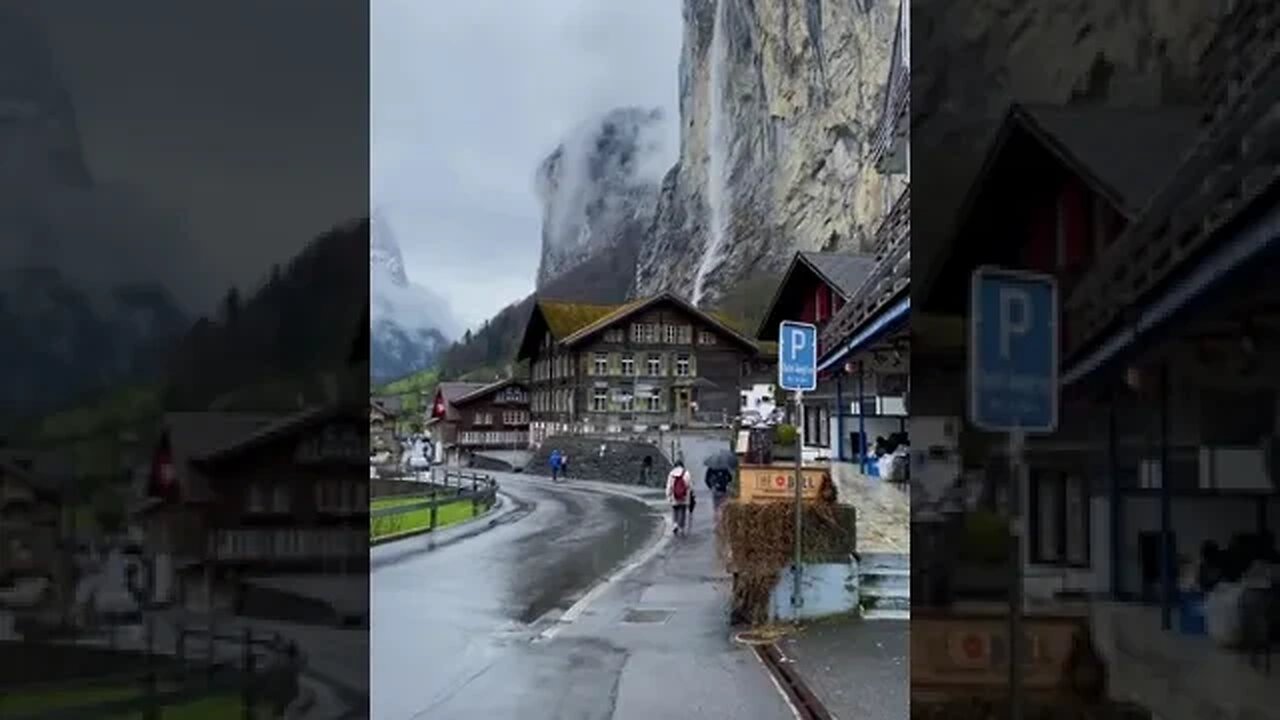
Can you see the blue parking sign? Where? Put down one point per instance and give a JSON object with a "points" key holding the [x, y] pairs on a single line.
{"points": [[1013, 351], [797, 356]]}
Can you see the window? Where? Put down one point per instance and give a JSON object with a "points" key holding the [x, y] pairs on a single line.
{"points": [[484, 418], [600, 399], [670, 333], [682, 366], [257, 498], [655, 365], [637, 332], [817, 426], [649, 333], [626, 401], [628, 364], [706, 337], [601, 364], [280, 498], [655, 399], [684, 334], [615, 335]]}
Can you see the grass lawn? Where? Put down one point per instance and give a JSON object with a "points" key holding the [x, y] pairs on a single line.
{"points": [[43, 701], [449, 514]]}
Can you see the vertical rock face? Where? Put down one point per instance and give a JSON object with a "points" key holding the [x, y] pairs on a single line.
{"points": [[778, 100], [970, 60], [599, 188]]}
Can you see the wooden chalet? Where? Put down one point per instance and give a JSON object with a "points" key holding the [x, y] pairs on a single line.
{"points": [[444, 418], [815, 287], [30, 517], [494, 417], [239, 495], [648, 363]]}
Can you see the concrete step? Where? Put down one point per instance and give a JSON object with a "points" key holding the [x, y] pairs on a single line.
{"points": [[879, 614], [885, 561]]}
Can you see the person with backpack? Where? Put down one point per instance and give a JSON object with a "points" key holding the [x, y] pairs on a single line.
{"points": [[678, 491]]}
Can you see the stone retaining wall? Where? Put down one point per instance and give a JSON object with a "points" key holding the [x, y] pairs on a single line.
{"points": [[621, 461]]}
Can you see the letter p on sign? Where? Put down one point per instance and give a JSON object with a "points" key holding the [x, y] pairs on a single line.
{"points": [[1015, 317], [797, 343]]}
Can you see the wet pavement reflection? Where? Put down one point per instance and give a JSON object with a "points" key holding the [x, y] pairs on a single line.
{"points": [[443, 618]]}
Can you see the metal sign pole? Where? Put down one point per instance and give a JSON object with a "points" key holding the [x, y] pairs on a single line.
{"points": [[1016, 527], [799, 497]]}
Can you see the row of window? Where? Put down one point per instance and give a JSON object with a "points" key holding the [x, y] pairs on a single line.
{"points": [[513, 395], [654, 333], [625, 364], [509, 417], [331, 496], [624, 400], [289, 543], [492, 437], [628, 365], [553, 401]]}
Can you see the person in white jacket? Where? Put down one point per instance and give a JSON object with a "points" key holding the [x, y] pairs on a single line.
{"points": [[679, 492]]}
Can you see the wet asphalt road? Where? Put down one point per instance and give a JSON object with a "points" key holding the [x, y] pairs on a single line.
{"points": [[457, 632], [445, 621]]}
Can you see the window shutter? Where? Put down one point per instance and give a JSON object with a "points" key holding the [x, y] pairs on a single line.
{"points": [[693, 364]]}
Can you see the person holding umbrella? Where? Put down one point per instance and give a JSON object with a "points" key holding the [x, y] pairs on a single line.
{"points": [[719, 477]]}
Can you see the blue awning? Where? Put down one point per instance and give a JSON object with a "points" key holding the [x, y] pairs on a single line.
{"points": [[1258, 237], [874, 331]]}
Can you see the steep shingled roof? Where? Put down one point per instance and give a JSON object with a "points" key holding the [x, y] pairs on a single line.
{"points": [[565, 319], [845, 272]]}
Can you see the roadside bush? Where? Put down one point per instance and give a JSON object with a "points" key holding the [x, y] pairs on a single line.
{"points": [[755, 543], [786, 435]]}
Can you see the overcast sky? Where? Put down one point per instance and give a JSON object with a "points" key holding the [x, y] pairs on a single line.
{"points": [[246, 120], [468, 97]]}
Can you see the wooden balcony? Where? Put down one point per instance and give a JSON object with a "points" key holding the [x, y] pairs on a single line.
{"points": [[1235, 159], [890, 136], [887, 280]]}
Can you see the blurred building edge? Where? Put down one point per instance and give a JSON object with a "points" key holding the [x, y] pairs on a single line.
{"points": [[1161, 227], [237, 501]]}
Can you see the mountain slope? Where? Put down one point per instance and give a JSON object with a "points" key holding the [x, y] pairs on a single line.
{"points": [[409, 325]]}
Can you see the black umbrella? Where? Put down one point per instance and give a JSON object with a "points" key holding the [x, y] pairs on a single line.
{"points": [[722, 460]]}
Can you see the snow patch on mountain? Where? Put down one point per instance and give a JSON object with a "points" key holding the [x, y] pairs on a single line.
{"points": [[410, 325]]}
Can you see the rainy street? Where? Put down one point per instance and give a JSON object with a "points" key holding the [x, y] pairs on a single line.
{"points": [[474, 628]]}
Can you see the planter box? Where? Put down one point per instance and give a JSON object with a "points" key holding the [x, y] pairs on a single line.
{"points": [[826, 589]]}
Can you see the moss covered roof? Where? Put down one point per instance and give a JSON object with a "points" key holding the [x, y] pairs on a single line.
{"points": [[565, 319]]}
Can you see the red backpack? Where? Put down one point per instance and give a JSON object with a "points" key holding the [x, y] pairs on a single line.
{"points": [[680, 488]]}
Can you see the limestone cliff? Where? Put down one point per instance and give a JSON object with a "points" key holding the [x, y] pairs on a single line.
{"points": [[778, 99]]}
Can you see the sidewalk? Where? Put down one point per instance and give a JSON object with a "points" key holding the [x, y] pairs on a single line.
{"points": [[670, 621], [860, 670]]}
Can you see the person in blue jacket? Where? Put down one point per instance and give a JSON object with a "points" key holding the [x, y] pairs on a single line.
{"points": [[556, 462]]}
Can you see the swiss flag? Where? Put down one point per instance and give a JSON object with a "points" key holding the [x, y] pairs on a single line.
{"points": [[438, 410], [164, 474]]}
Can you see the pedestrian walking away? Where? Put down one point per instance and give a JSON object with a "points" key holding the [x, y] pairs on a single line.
{"points": [[555, 462], [646, 470], [678, 491], [718, 480]]}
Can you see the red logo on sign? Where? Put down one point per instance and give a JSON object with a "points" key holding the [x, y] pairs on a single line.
{"points": [[780, 481], [972, 647]]}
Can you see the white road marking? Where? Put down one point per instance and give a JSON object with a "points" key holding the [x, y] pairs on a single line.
{"points": [[777, 686], [579, 607]]}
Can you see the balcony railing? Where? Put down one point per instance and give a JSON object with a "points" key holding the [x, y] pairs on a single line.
{"points": [[892, 129], [1235, 159], [890, 276]]}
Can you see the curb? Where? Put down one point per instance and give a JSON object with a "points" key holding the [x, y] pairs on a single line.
{"points": [[302, 703], [498, 503]]}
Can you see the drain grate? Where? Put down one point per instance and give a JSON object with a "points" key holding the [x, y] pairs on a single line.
{"points": [[647, 617]]}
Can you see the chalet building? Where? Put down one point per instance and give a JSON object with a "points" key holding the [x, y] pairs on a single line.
{"points": [[30, 517], [814, 288], [494, 417], [613, 368], [864, 346], [235, 496], [382, 424], [444, 417]]}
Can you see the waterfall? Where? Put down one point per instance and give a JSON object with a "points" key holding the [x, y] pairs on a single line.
{"points": [[717, 156]]}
